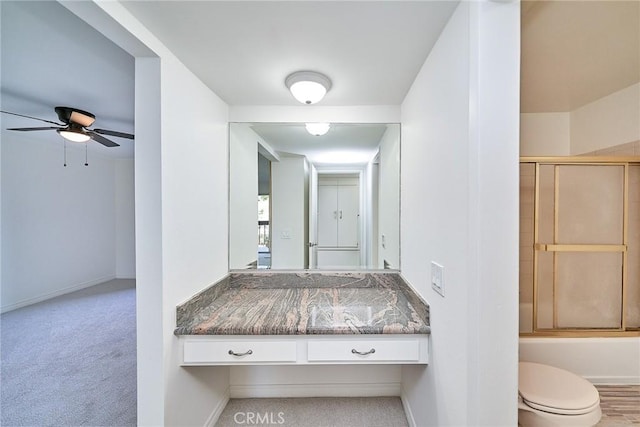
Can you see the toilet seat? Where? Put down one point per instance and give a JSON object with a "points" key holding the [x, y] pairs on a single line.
{"points": [[555, 390]]}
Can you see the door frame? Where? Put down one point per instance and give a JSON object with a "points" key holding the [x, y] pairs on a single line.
{"points": [[361, 172]]}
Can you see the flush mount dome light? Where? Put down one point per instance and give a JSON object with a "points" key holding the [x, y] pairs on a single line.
{"points": [[308, 87], [74, 135], [317, 129]]}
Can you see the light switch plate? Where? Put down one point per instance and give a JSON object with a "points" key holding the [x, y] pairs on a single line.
{"points": [[437, 277], [285, 234]]}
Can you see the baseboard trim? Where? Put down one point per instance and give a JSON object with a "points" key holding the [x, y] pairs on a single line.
{"points": [[57, 293], [632, 380], [407, 409], [217, 411], [314, 390]]}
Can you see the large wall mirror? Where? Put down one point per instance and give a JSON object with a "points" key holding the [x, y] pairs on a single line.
{"points": [[299, 200]]}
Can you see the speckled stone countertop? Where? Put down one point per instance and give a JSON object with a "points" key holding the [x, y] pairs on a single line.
{"points": [[279, 303]]}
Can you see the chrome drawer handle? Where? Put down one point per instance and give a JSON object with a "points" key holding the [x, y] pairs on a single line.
{"points": [[233, 353], [354, 351]]}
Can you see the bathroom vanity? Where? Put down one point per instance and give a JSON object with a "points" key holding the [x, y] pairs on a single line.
{"points": [[302, 318]]}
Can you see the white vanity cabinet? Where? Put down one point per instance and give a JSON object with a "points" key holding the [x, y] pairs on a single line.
{"points": [[207, 350]]}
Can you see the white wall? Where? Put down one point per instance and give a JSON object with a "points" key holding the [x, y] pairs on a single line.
{"points": [[149, 289], [59, 223], [181, 215], [373, 173], [313, 381], [435, 158], [194, 227], [389, 191], [459, 208], [125, 219], [494, 209], [609, 121], [317, 113], [288, 208], [1, 180], [243, 195], [545, 134]]}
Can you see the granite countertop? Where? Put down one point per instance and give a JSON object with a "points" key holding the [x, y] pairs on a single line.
{"points": [[278, 303]]}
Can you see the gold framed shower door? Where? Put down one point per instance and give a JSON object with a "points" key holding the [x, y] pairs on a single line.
{"points": [[563, 243]]}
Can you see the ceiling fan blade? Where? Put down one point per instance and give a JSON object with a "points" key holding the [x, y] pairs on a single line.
{"points": [[113, 133], [30, 129], [101, 139], [29, 117]]}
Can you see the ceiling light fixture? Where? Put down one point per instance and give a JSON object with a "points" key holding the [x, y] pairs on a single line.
{"points": [[73, 135], [308, 87], [317, 129]]}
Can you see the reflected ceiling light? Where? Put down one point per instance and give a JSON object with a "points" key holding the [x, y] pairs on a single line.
{"points": [[74, 135], [317, 129], [308, 87]]}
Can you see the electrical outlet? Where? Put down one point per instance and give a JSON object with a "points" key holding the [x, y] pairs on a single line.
{"points": [[437, 278]]}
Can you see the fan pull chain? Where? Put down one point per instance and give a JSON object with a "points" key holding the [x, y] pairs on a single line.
{"points": [[65, 153], [86, 160]]}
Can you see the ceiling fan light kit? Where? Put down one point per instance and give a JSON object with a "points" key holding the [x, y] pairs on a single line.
{"points": [[74, 126], [73, 135], [308, 87]]}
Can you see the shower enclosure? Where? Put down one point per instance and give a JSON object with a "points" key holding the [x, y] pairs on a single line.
{"points": [[580, 246]]}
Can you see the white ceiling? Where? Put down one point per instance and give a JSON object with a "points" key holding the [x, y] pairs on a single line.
{"points": [[244, 50], [51, 58], [573, 53], [344, 143]]}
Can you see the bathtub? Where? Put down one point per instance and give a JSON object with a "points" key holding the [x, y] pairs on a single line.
{"points": [[610, 360]]}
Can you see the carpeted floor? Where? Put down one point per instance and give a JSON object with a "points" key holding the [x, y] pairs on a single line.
{"points": [[315, 412], [71, 360]]}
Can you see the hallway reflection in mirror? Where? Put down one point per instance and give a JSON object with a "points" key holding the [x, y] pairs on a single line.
{"points": [[300, 201]]}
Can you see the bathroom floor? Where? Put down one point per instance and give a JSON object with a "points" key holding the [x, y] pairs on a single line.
{"points": [[315, 412], [620, 405]]}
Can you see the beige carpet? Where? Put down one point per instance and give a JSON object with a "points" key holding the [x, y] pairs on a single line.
{"points": [[315, 412], [71, 360]]}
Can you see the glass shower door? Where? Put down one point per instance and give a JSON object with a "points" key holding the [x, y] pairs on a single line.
{"points": [[580, 247]]}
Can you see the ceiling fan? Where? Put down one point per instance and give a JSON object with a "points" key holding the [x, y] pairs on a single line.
{"points": [[74, 126]]}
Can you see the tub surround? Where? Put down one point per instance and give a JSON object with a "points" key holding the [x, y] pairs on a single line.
{"points": [[279, 303]]}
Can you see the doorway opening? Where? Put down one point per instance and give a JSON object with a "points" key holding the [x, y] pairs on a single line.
{"points": [[338, 220]]}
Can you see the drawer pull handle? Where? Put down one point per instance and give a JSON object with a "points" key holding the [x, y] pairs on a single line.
{"points": [[233, 353], [363, 353]]}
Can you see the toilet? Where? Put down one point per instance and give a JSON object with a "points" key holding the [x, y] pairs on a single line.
{"points": [[549, 396]]}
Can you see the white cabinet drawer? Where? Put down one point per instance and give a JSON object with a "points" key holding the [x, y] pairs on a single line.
{"points": [[231, 352], [364, 351]]}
